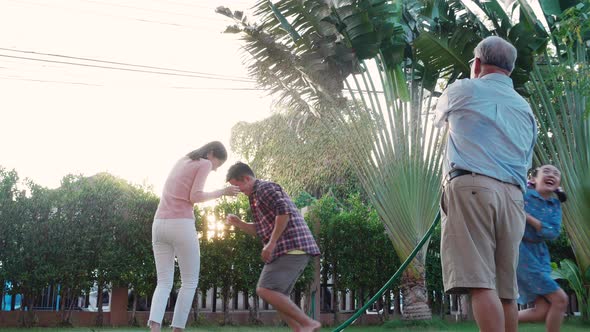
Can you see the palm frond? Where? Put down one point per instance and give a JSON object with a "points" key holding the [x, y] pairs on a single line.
{"points": [[559, 97]]}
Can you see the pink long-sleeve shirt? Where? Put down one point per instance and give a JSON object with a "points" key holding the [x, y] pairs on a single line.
{"points": [[184, 188]]}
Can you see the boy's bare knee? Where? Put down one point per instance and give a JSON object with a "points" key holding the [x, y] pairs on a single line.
{"points": [[260, 291]]}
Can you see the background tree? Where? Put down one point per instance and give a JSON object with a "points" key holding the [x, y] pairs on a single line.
{"points": [[140, 276], [246, 261], [30, 249], [11, 205], [351, 264], [295, 151]]}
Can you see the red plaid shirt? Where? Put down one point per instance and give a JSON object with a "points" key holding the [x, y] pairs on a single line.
{"points": [[269, 200]]}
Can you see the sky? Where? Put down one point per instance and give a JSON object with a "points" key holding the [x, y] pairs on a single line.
{"points": [[64, 109]]}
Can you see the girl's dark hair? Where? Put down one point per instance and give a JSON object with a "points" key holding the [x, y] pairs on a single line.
{"points": [[215, 147], [561, 195]]}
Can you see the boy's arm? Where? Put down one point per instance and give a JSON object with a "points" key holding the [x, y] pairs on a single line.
{"points": [[233, 220], [281, 223]]}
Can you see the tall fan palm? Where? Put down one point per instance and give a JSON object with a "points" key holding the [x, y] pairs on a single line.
{"points": [[387, 58], [310, 52], [556, 79], [559, 91]]}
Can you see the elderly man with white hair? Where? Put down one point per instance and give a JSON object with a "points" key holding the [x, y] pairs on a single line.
{"points": [[491, 135]]}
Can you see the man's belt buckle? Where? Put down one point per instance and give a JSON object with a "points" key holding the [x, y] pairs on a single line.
{"points": [[458, 172]]}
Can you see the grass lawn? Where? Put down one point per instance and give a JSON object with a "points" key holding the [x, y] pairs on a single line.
{"points": [[574, 326]]}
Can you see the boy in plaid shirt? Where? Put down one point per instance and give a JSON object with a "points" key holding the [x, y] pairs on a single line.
{"points": [[288, 243]]}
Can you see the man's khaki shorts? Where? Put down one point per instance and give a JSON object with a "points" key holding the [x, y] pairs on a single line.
{"points": [[483, 222]]}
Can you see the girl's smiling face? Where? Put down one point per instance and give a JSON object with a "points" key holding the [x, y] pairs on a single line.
{"points": [[547, 179]]}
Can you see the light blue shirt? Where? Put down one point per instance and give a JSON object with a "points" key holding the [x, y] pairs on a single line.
{"points": [[492, 130]]}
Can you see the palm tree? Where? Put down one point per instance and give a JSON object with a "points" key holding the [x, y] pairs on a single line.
{"points": [[557, 83], [553, 72], [371, 70], [559, 90], [351, 67]]}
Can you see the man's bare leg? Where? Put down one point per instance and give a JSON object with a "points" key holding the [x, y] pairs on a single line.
{"points": [[487, 310], [291, 322], [510, 315], [283, 303]]}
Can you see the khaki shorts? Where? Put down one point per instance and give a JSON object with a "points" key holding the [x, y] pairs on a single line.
{"points": [[483, 222], [281, 274]]}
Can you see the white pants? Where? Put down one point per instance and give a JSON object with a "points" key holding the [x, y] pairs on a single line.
{"points": [[170, 238]]}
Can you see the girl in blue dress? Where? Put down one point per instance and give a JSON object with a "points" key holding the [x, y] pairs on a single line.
{"points": [[542, 203]]}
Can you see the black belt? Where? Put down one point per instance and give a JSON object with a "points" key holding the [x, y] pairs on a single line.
{"points": [[458, 172]]}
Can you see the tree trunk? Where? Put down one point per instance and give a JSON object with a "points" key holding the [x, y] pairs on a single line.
{"points": [[203, 299], [99, 316], [72, 304], [323, 288], [245, 300], [413, 286], [196, 307], [335, 302], [379, 307], [361, 303], [254, 311], [29, 315], [225, 305], [235, 300], [214, 300], [397, 310], [443, 304], [387, 305], [87, 299], [62, 307], [133, 321], [313, 295], [13, 302]]}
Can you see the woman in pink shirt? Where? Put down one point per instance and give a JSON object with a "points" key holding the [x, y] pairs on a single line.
{"points": [[174, 233]]}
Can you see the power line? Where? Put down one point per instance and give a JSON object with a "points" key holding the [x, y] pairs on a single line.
{"points": [[154, 10], [218, 89], [92, 84], [172, 87], [164, 73], [125, 69], [230, 3], [126, 64], [47, 81], [193, 5], [192, 27]]}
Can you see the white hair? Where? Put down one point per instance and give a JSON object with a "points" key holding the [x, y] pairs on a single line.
{"points": [[496, 51]]}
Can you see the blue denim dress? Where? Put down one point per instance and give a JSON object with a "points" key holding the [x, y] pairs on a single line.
{"points": [[534, 267]]}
